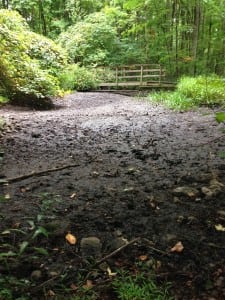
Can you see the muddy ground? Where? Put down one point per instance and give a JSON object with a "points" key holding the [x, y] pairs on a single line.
{"points": [[115, 168]]}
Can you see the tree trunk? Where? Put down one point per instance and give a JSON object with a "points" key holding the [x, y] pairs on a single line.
{"points": [[197, 16]]}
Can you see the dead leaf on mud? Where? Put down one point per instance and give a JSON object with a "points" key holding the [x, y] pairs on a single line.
{"points": [[88, 285], [110, 273], [71, 238], [177, 248], [73, 287], [73, 195], [220, 227], [51, 293], [7, 196], [143, 257]]}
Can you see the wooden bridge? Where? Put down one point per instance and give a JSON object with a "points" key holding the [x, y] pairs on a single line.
{"points": [[134, 76]]}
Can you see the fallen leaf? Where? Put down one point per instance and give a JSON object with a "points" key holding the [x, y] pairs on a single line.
{"points": [[220, 227], [88, 285], [177, 248], [143, 257], [71, 239], [51, 293], [73, 195], [110, 273], [73, 287], [7, 196], [23, 189]]}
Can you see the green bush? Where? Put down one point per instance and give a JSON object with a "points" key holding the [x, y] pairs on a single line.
{"points": [[28, 64], [78, 78]]}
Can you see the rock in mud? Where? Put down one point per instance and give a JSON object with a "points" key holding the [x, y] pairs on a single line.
{"points": [[91, 247], [186, 191]]}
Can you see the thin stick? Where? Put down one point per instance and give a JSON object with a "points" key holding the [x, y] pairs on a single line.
{"points": [[155, 249], [44, 284], [38, 173], [116, 251]]}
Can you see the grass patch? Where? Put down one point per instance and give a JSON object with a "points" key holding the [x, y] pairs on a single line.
{"points": [[192, 92], [139, 287], [173, 100]]}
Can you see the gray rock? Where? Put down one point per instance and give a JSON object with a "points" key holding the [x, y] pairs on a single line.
{"points": [[57, 227], [36, 275], [117, 243], [91, 247], [186, 191]]}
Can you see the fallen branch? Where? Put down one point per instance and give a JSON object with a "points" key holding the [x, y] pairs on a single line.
{"points": [[38, 173]]}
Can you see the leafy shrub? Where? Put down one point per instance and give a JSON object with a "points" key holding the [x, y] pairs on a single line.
{"points": [[78, 78], [28, 64]]}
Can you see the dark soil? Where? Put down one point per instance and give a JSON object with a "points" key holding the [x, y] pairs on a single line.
{"points": [[109, 166]]}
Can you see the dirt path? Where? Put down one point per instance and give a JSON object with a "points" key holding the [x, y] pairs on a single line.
{"points": [[137, 170]]}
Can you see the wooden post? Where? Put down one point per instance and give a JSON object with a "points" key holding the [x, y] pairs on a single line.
{"points": [[141, 82], [117, 76], [160, 74]]}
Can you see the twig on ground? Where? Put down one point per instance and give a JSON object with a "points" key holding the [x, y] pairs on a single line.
{"points": [[116, 252], [44, 284], [153, 248], [38, 173]]}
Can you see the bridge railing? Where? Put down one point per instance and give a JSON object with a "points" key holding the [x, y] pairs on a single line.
{"points": [[132, 75]]}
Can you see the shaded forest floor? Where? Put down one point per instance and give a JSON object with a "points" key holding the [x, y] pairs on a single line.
{"points": [[117, 169]]}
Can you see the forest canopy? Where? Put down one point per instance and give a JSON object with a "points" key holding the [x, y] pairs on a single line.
{"points": [[186, 37]]}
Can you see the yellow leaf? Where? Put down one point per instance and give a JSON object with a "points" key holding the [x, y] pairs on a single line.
{"points": [[110, 273], [71, 239], [220, 227], [7, 196], [177, 248]]}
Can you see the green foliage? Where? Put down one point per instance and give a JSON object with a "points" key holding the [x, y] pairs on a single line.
{"points": [[173, 100], [8, 284], [78, 78], [25, 61], [204, 90], [91, 41], [220, 117], [194, 92], [139, 287]]}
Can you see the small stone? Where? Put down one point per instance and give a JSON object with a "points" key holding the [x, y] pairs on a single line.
{"points": [[176, 200], [117, 243], [221, 213], [57, 227], [186, 191], [91, 247], [207, 192], [53, 273], [36, 275]]}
